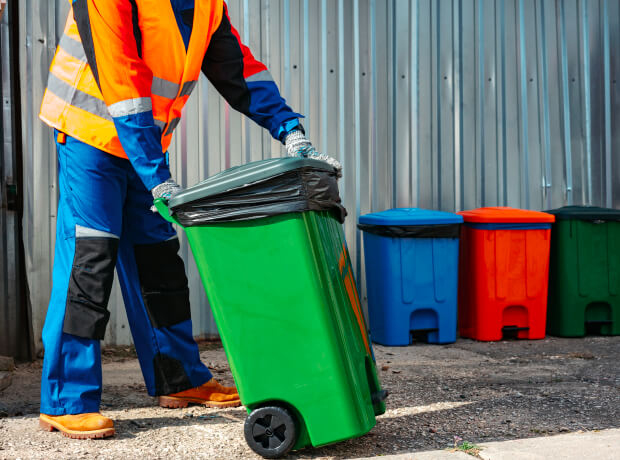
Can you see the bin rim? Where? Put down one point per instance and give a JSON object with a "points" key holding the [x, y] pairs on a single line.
{"points": [[505, 214], [410, 217], [586, 213], [241, 176]]}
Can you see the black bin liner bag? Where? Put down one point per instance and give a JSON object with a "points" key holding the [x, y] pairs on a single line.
{"points": [[413, 231], [300, 190]]}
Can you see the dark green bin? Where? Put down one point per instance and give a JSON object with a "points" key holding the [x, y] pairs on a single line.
{"points": [[584, 278]]}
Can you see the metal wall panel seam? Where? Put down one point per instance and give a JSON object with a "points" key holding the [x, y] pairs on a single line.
{"points": [[491, 109], [287, 49], [265, 14], [414, 144], [341, 99], [502, 28], [436, 173], [614, 28], [574, 78], [607, 84], [306, 59], [227, 134], [394, 95], [566, 106], [586, 89], [457, 88], [499, 109], [540, 145], [357, 142], [204, 123], [511, 109], [371, 157], [373, 148], [324, 107], [388, 56], [413, 106], [403, 152], [480, 131], [545, 108], [525, 147], [246, 39]]}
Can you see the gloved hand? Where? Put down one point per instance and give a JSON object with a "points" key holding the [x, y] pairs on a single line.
{"points": [[297, 145], [165, 190]]}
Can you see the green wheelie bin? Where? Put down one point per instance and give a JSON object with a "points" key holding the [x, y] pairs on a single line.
{"points": [[269, 246], [584, 278]]}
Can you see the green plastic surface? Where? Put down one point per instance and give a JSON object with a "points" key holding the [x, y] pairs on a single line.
{"points": [[162, 208], [284, 299], [584, 279]]}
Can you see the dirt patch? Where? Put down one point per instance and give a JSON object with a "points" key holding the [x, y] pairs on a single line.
{"points": [[477, 391]]}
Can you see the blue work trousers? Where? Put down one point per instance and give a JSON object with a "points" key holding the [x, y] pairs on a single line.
{"points": [[105, 222]]}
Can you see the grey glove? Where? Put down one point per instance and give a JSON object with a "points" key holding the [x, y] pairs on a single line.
{"points": [[165, 190], [297, 145]]}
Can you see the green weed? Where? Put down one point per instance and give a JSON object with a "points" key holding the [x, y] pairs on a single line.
{"points": [[465, 446]]}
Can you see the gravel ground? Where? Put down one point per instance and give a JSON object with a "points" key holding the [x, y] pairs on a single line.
{"points": [[478, 391]]}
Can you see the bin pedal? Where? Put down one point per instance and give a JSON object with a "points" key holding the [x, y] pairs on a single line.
{"points": [[511, 332], [420, 334], [379, 396]]}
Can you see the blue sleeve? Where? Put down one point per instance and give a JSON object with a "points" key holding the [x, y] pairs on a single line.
{"points": [[245, 82], [269, 109], [141, 140]]}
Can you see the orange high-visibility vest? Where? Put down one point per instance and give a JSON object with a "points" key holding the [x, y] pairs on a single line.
{"points": [[163, 77]]}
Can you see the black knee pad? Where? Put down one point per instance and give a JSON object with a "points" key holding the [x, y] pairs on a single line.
{"points": [[170, 376], [163, 282], [92, 274]]}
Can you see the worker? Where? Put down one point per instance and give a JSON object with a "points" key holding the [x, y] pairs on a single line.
{"points": [[122, 72]]}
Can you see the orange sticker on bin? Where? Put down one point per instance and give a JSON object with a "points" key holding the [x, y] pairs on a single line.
{"points": [[505, 214]]}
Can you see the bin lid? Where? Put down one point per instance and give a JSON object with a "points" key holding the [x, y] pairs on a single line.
{"points": [[410, 216], [590, 213], [503, 214], [242, 176]]}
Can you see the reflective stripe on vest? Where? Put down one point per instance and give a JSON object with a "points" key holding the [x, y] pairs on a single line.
{"points": [[130, 107], [77, 98], [73, 102], [164, 88], [72, 47], [263, 75], [160, 124], [170, 90], [188, 87], [172, 125]]}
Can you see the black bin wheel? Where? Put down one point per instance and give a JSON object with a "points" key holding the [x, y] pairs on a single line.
{"points": [[270, 431]]}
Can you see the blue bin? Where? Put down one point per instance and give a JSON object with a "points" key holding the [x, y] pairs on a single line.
{"points": [[411, 274]]}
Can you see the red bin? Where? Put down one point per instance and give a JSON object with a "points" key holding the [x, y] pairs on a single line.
{"points": [[503, 273]]}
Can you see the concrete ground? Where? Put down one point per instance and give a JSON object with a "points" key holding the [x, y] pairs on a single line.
{"points": [[592, 445], [555, 398]]}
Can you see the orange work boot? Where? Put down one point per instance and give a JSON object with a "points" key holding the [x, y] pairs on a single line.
{"points": [[211, 394], [78, 426]]}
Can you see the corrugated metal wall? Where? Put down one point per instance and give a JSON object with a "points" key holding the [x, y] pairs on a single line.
{"points": [[15, 336], [448, 104], [7, 218]]}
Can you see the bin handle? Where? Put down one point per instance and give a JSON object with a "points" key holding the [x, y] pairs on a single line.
{"points": [[162, 207]]}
